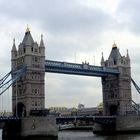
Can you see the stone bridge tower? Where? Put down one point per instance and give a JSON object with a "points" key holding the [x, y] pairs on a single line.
{"points": [[28, 92], [117, 98]]}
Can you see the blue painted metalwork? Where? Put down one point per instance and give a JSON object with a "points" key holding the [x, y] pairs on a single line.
{"points": [[59, 67], [79, 69], [107, 120], [136, 86], [5, 83], [136, 107]]}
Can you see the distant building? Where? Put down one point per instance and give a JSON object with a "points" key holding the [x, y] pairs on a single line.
{"points": [[81, 106], [69, 112], [57, 110], [92, 111]]}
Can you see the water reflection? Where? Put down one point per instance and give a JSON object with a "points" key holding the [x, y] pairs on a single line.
{"points": [[120, 137], [83, 135], [32, 138], [88, 135]]}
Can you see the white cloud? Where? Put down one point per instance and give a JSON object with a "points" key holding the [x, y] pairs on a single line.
{"points": [[108, 6]]}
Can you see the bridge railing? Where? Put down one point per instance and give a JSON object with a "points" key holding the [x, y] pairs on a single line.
{"points": [[99, 119], [57, 66]]}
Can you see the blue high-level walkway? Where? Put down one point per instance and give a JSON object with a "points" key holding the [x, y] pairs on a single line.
{"points": [[78, 69], [58, 67]]}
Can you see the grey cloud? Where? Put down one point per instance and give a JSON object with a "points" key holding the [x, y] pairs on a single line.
{"points": [[70, 90], [58, 16], [127, 12], [63, 18], [73, 27], [62, 48]]}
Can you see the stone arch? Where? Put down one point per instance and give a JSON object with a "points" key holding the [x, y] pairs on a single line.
{"points": [[20, 111]]}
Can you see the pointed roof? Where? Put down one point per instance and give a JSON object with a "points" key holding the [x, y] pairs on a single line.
{"points": [[127, 55], [115, 54], [102, 59], [27, 40], [42, 42], [14, 46], [114, 45]]}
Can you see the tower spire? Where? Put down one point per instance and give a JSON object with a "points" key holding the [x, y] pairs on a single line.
{"points": [[102, 57], [102, 60], [14, 46], [114, 45], [127, 55], [28, 40], [27, 29], [42, 42]]}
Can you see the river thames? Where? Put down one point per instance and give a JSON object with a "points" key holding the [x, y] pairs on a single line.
{"points": [[88, 135]]}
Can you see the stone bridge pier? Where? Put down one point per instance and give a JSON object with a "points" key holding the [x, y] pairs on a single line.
{"points": [[29, 127]]}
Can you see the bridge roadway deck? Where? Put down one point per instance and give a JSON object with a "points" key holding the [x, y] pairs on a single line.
{"points": [[78, 69], [107, 120], [61, 120]]}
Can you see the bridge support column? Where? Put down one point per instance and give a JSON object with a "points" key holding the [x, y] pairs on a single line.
{"points": [[124, 125], [31, 127], [39, 126]]}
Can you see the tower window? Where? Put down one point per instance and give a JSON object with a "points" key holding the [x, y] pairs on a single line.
{"points": [[36, 50], [36, 59], [115, 62], [35, 91], [32, 103], [32, 49], [35, 103], [39, 103], [24, 50]]}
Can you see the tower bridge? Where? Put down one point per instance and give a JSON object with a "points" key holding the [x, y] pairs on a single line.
{"points": [[114, 72], [28, 67]]}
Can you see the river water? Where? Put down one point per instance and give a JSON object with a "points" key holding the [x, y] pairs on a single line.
{"points": [[88, 135]]}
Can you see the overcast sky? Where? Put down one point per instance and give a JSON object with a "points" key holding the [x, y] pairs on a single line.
{"points": [[74, 31]]}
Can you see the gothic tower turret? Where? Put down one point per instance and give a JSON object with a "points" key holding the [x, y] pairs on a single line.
{"points": [[102, 60], [42, 47], [117, 98], [28, 94], [13, 55]]}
